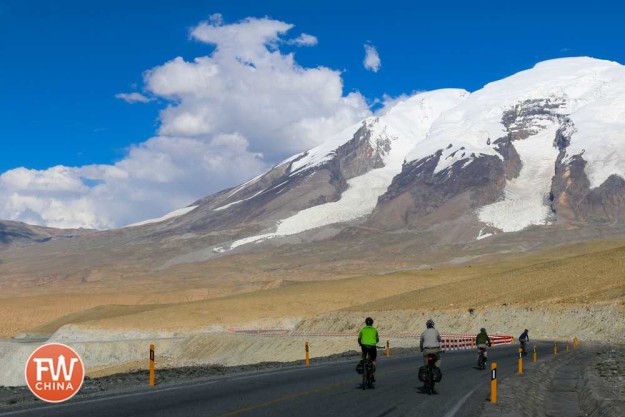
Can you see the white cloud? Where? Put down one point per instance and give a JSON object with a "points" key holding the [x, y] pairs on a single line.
{"points": [[372, 59], [247, 86], [133, 98], [232, 115], [304, 40], [156, 176]]}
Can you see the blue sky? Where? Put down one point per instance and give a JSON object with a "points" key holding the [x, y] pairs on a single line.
{"points": [[63, 62]]}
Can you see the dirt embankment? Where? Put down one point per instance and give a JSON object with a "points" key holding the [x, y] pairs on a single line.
{"points": [[605, 323], [588, 381]]}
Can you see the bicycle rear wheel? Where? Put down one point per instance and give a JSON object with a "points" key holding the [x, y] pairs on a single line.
{"points": [[365, 375], [430, 382]]}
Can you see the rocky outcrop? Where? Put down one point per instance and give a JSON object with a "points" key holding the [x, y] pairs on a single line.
{"points": [[418, 192], [359, 155], [21, 234], [574, 200]]}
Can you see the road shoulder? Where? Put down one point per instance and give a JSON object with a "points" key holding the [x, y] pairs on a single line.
{"points": [[587, 381]]}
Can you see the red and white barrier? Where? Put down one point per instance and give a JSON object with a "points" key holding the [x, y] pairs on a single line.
{"points": [[463, 341], [451, 341]]}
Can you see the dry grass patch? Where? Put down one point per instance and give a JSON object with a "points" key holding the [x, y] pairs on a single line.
{"points": [[189, 295], [590, 278], [295, 301]]}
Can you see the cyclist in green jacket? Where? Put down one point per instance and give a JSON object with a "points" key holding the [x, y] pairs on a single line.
{"points": [[368, 339], [482, 341]]}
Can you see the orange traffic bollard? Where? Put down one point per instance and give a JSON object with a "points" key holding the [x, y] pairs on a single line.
{"points": [[307, 354], [520, 361], [493, 382], [535, 357], [388, 349], [152, 382], [555, 348]]}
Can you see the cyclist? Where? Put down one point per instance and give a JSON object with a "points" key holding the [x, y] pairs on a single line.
{"points": [[431, 343], [482, 341], [523, 340], [367, 340]]}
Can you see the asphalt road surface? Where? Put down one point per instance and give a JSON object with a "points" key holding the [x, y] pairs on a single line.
{"points": [[319, 390]]}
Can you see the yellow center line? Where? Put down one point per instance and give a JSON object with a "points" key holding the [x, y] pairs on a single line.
{"points": [[301, 394]]}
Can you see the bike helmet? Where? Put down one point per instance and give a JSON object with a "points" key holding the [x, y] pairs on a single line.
{"points": [[430, 323], [369, 321]]}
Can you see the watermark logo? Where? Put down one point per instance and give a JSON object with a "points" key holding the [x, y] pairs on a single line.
{"points": [[54, 372]]}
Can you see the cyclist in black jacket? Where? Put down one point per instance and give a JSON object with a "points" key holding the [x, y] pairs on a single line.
{"points": [[523, 340]]}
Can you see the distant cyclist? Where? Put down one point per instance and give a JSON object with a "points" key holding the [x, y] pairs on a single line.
{"points": [[431, 343], [368, 339], [524, 340], [482, 341]]}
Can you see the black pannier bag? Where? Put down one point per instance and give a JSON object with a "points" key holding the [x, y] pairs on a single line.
{"points": [[423, 372], [437, 375], [360, 367]]}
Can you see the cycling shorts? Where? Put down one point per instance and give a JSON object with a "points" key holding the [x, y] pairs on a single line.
{"points": [[372, 350]]}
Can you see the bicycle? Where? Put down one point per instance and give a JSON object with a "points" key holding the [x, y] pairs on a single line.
{"points": [[523, 343], [367, 371], [481, 359], [367, 374], [430, 374]]}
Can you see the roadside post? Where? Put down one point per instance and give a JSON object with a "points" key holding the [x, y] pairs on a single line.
{"points": [[493, 382], [152, 365], [567, 345], [535, 357], [388, 349], [307, 354], [555, 348], [520, 361]]}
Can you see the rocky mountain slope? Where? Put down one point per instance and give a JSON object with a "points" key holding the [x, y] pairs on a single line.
{"points": [[17, 234]]}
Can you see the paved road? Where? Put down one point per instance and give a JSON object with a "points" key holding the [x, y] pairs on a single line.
{"points": [[321, 390]]}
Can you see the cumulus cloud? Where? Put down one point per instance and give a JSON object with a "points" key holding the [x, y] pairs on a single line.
{"points": [[304, 40], [231, 115], [250, 87], [372, 59], [133, 97]]}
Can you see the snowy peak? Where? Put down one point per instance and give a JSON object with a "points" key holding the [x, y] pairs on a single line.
{"points": [[533, 123], [367, 162], [544, 146], [402, 124]]}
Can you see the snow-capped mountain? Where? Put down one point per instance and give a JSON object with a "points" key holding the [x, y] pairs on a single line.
{"points": [[544, 146], [336, 182], [533, 160], [541, 146]]}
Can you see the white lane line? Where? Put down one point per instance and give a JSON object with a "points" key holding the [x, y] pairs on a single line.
{"points": [[453, 411]]}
